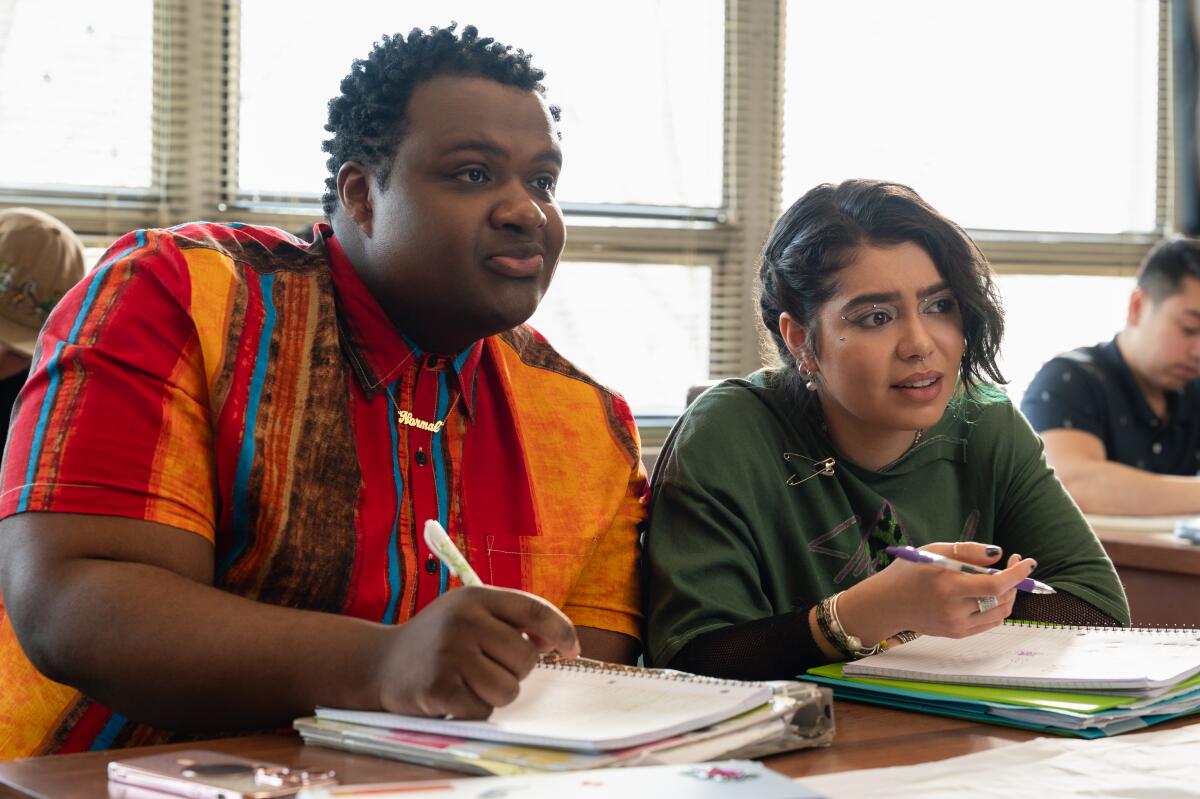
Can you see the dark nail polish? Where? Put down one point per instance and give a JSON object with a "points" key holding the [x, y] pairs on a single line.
{"points": [[992, 551]]}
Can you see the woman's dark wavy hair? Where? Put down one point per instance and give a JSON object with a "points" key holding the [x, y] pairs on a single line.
{"points": [[819, 235], [368, 118]]}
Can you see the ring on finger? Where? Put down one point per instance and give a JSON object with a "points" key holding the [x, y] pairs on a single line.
{"points": [[955, 551], [986, 603]]}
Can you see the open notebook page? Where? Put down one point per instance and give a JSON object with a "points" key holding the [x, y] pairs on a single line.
{"points": [[1084, 658], [590, 710]]}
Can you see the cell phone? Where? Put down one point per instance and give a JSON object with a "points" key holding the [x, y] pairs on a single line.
{"points": [[202, 774]]}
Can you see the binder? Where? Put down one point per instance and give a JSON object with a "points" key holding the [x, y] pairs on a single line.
{"points": [[577, 715], [1101, 711]]}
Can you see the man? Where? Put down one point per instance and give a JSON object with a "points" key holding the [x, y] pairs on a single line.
{"points": [[40, 258], [1121, 420], [234, 438]]}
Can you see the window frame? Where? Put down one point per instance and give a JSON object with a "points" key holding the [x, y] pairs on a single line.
{"points": [[196, 100]]}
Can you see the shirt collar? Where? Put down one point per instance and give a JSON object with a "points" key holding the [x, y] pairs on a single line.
{"points": [[376, 349], [1133, 390]]}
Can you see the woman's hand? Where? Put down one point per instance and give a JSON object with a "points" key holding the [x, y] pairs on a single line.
{"points": [[930, 600]]}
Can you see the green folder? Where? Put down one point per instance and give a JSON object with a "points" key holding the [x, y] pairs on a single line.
{"points": [[973, 702], [1007, 697]]}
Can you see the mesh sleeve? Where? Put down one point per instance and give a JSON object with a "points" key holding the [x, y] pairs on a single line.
{"points": [[1060, 608], [774, 648]]}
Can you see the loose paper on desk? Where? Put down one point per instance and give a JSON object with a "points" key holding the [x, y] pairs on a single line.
{"points": [[1145, 764], [733, 779], [1103, 524]]}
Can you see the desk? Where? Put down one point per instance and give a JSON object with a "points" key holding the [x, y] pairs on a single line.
{"points": [[866, 737], [1161, 574]]}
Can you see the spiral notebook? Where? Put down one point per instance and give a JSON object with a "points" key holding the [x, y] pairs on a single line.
{"points": [[1021, 654], [590, 706]]}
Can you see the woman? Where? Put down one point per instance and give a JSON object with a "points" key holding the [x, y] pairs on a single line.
{"points": [[775, 496]]}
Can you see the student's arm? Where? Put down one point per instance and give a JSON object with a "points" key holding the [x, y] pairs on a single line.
{"points": [[607, 645], [1099, 485], [1035, 516], [124, 610]]}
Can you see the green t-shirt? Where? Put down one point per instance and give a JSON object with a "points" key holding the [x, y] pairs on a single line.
{"points": [[730, 541]]}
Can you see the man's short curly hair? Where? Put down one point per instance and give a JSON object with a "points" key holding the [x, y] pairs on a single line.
{"points": [[368, 118]]}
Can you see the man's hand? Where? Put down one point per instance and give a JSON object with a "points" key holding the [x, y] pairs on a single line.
{"points": [[197, 658], [1099, 485], [467, 652]]}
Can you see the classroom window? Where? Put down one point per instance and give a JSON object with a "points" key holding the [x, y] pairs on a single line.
{"points": [[1006, 115], [641, 329], [1043, 127], [1041, 323], [76, 93], [641, 92]]}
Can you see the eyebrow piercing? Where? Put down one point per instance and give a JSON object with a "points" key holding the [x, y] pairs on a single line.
{"points": [[846, 318]]}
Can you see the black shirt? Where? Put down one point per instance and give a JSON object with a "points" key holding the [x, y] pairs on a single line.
{"points": [[9, 388], [1092, 389]]}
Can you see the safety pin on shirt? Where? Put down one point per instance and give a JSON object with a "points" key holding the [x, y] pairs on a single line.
{"points": [[823, 468]]}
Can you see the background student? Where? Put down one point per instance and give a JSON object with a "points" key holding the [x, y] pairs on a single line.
{"points": [[775, 496], [232, 438], [40, 259], [1121, 419]]}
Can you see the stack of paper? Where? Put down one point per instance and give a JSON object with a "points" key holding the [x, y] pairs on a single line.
{"points": [[573, 715], [1133, 524], [1088, 682]]}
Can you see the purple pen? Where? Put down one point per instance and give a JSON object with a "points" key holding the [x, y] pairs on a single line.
{"points": [[942, 562]]}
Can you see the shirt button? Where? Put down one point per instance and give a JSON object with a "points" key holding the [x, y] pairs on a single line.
{"points": [[421, 457], [1156, 447], [431, 564]]}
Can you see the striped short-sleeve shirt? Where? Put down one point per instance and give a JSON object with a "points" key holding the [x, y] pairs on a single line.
{"points": [[243, 385]]}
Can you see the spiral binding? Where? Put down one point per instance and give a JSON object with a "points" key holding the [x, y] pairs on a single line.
{"points": [[589, 666], [1101, 628]]}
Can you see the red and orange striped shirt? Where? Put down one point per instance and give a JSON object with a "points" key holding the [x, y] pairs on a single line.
{"points": [[243, 385]]}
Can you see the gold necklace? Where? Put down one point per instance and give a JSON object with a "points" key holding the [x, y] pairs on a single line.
{"points": [[408, 419]]}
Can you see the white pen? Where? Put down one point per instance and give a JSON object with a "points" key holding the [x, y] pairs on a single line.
{"points": [[439, 543]]}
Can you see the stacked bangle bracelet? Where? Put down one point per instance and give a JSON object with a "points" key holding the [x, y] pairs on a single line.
{"points": [[825, 623], [831, 627]]}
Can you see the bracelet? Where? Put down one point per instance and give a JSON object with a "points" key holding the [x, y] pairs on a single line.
{"points": [[851, 643], [902, 637], [825, 623]]}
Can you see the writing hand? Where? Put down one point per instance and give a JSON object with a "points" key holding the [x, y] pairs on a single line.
{"points": [[467, 652]]}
